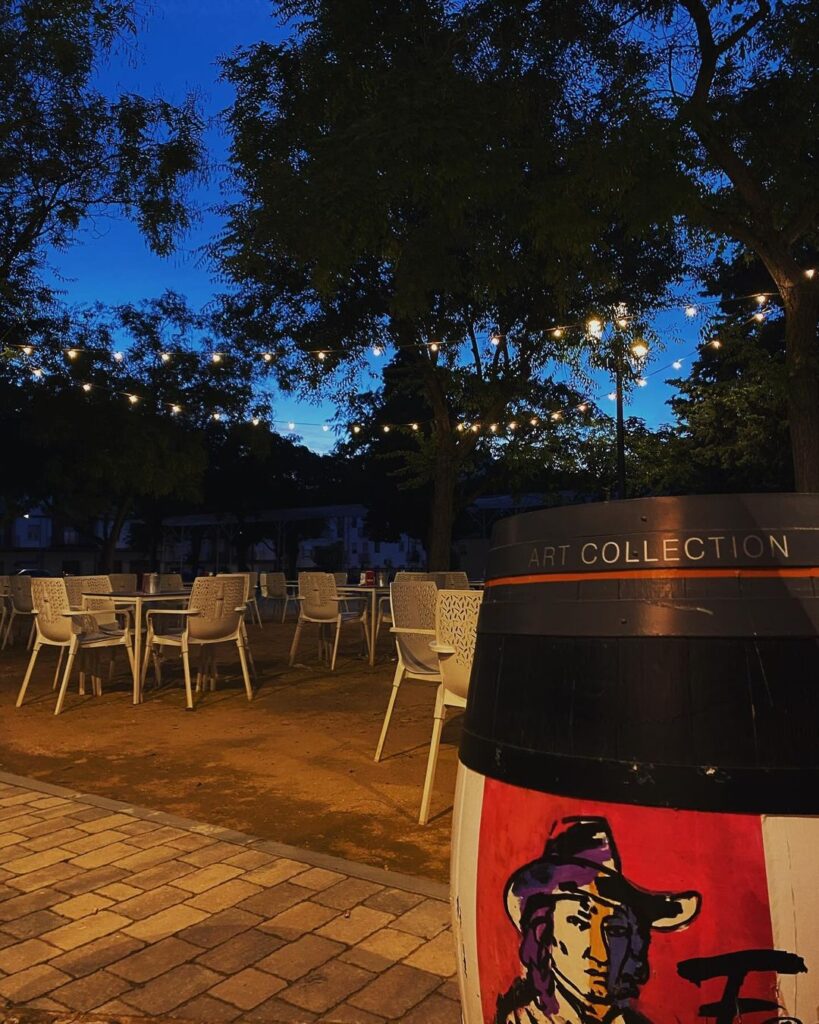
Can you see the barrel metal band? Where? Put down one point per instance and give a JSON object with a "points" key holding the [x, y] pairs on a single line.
{"points": [[802, 572], [726, 790]]}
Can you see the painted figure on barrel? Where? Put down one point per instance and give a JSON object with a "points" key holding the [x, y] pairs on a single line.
{"points": [[585, 931]]}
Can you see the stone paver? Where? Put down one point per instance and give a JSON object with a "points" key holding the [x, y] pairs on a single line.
{"points": [[109, 913]]}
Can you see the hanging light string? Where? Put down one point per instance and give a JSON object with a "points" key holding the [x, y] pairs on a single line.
{"points": [[591, 325]]}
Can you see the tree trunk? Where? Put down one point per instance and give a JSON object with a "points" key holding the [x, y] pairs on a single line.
{"points": [[109, 545], [442, 518], [802, 367]]}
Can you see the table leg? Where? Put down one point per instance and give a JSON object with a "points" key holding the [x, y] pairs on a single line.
{"points": [[137, 649]]}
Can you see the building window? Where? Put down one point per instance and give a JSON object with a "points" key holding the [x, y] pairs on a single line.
{"points": [[71, 536], [34, 531]]}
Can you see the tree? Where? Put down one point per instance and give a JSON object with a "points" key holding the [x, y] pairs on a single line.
{"points": [[68, 152], [411, 176], [735, 90]]}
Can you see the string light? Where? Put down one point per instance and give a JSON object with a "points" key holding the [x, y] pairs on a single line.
{"points": [[133, 399], [165, 357], [759, 317], [622, 322], [291, 425], [642, 382], [691, 311], [216, 357], [175, 410], [414, 426], [583, 407], [513, 425], [377, 350], [495, 338], [612, 396], [356, 429], [533, 421], [255, 421], [118, 357], [810, 273], [28, 350], [460, 426], [324, 427], [387, 429], [557, 332], [475, 428], [37, 373], [493, 427], [72, 353], [321, 356], [761, 299], [594, 327], [268, 357], [86, 387], [677, 364], [556, 416], [434, 346], [715, 343]]}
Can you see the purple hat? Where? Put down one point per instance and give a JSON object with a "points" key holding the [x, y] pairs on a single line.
{"points": [[580, 859]]}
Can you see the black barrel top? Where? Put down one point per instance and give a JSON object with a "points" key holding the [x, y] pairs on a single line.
{"points": [[662, 651]]}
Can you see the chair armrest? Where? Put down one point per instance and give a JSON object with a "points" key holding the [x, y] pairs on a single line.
{"points": [[407, 631], [80, 614], [172, 611], [440, 648]]}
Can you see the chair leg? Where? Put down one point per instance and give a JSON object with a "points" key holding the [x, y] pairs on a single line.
{"points": [[149, 651], [243, 660], [254, 607], [295, 645], [130, 651], [8, 632], [21, 695], [186, 666], [432, 760], [31, 632], [72, 654], [60, 657], [284, 609], [335, 645], [396, 682]]}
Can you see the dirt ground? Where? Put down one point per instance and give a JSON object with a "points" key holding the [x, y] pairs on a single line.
{"points": [[295, 765]]}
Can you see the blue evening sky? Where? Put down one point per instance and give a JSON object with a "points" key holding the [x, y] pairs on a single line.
{"points": [[177, 50]]}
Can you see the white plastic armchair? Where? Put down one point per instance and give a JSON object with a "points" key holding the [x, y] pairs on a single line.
{"points": [[320, 604], [170, 582], [123, 582], [71, 630], [20, 607], [273, 587], [250, 593], [456, 623], [215, 615], [413, 615]]}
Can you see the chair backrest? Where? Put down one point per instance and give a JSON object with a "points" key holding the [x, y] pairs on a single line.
{"points": [[216, 598], [456, 624], [455, 581], [49, 599], [246, 576], [76, 586], [407, 577], [318, 592], [340, 578], [20, 591], [412, 604], [4, 586], [273, 584], [123, 582], [170, 582]]}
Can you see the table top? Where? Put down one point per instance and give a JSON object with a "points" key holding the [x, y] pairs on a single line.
{"points": [[132, 595], [358, 588]]}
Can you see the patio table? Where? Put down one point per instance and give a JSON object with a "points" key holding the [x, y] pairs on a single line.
{"points": [[374, 594], [137, 599]]}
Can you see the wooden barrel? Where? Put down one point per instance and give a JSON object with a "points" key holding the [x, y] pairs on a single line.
{"points": [[636, 827]]}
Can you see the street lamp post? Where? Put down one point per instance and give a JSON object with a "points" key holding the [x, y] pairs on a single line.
{"points": [[621, 430]]}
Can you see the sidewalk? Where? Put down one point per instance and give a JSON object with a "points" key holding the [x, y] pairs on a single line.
{"points": [[120, 913]]}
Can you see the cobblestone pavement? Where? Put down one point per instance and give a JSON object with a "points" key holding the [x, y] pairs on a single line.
{"points": [[109, 912]]}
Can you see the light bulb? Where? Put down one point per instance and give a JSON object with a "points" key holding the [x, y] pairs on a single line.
{"points": [[716, 343], [324, 427], [495, 338], [216, 357], [37, 373], [677, 364], [268, 357], [28, 349], [176, 409], [217, 415], [133, 399], [72, 353], [622, 323], [86, 387], [291, 426], [639, 349], [493, 427], [322, 356], [475, 428], [691, 311], [377, 350], [761, 299], [414, 426], [810, 273], [594, 327], [557, 332], [118, 357], [556, 416], [255, 421], [434, 346], [165, 357], [612, 396], [513, 425], [583, 407], [642, 382], [386, 429], [460, 426], [356, 429], [759, 317], [533, 421]]}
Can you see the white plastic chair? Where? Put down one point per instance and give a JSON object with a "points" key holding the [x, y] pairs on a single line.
{"points": [[250, 595], [20, 606], [273, 587], [57, 625], [384, 609], [320, 603], [170, 582], [456, 624], [123, 582], [4, 602], [413, 615], [215, 615]]}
